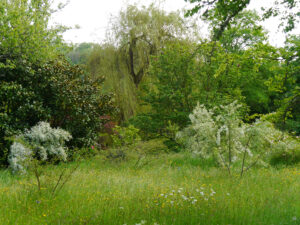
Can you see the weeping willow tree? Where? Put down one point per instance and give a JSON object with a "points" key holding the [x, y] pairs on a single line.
{"points": [[134, 36], [106, 61]]}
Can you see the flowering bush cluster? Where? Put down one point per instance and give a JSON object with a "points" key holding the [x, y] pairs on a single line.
{"points": [[42, 143], [221, 133]]}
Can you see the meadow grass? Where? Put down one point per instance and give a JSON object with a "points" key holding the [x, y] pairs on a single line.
{"points": [[168, 189]]}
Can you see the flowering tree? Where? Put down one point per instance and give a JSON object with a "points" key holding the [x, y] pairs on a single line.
{"points": [[221, 133], [39, 144]]}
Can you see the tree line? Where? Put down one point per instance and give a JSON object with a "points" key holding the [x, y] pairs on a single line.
{"points": [[151, 72]]}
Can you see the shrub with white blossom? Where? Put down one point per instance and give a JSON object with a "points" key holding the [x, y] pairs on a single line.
{"points": [[41, 143], [221, 133]]}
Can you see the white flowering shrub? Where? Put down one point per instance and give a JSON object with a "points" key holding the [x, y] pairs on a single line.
{"points": [[221, 133], [41, 143], [18, 158], [210, 131]]}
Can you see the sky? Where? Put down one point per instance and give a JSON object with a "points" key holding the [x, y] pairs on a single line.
{"points": [[93, 17]]}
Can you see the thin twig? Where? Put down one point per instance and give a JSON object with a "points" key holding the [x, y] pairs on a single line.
{"points": [[253, 164], [228, 168], [37, 176], [58, 182], [244, 157], [68, 178]]}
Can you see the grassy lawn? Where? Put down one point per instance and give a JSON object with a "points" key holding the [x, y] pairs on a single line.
{"points": [[166, 189]]}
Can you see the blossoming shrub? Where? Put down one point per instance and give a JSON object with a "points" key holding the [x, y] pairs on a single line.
{"points": [[41, 143], [221, 134]]}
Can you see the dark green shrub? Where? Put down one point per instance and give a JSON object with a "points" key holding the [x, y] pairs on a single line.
{"points": [[152, 147], [287, 158], [36, 84], [20, 108], [170, 94], [56, 92], [76, 102]]}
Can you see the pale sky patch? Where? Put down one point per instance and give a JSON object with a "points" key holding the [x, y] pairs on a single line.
{"points": [[93, 17]]}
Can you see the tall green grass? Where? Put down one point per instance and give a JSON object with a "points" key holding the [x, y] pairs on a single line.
{"points": [[169, 189]]}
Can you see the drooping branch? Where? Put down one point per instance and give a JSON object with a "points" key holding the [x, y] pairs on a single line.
{"points": [[131, 62]]}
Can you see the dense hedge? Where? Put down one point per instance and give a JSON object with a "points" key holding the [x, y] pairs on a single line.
{"points": [[57, 92]]}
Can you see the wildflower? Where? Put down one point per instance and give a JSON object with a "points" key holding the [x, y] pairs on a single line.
{"points": [[294, 218], [212, 192], [93, 147], [184, 197], [141, 223]]}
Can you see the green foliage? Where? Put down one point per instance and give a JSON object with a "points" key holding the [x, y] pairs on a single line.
{"points": [[38, 85], [106, 61], [182, 75], [55, 91], [77, 154], [141, 32], [220, 12], [244, 32], [286, 157], [152, 147], [135, 35], [76, 101], [80, 54], [20, 108], [169, 91], [285, 85], [25, 32], [125, 136]]}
